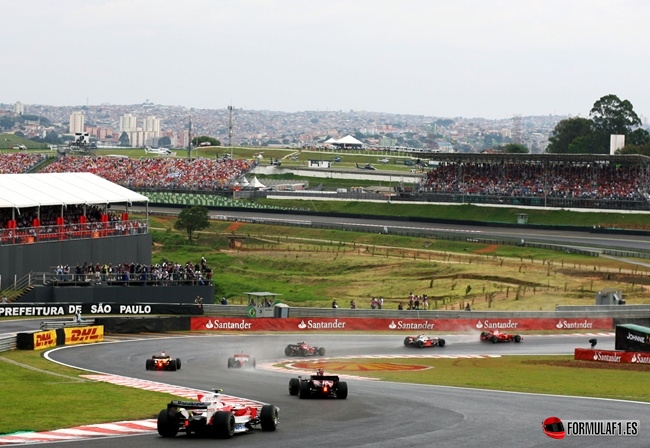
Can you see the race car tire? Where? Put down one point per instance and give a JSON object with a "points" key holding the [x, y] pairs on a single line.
{"points": [[484, 335], [441, 342], [517, 338], [231, 362], [269, 417], [303, 352], [223, 425], [167, 426], [321, 351], [172, 365], [420, 344], [178, 363], [287, 351], [305, 389], [294, 386], [148, 364], [342, 392], [407, 341], [494, 339]]}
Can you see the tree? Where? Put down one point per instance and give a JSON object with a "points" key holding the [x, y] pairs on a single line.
{"points": [[515, 148], [566, 131], [610, 115], [124, 139], [7, 122], [164, 142], [192, 219], [638, 137], [196, 141]]}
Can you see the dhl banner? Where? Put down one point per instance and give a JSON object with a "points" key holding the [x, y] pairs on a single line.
{"points": [[380, 324], [44, 339], [84, 335], [611, 356], [36, 340]]}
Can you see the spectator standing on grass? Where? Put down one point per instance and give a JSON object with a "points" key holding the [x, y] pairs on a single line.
{"points": [[4, 299], [380, 303], [353, 305], [400, 306], [334, 304]]}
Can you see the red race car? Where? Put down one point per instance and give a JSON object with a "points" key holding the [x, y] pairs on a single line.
{"points": [[303, 349], [497, 336], [163, 362], [421, 341]]}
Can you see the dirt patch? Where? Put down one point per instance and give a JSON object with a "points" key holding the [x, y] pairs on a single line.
{"points": [[578, 364], [234, 227], [342, 366], [487, 250]]}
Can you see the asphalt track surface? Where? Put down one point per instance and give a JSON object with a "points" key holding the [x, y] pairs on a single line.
{"points": [[572, 238], [375, 414]]}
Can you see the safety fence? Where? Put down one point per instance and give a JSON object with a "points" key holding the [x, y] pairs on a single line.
{"points": [[7, 343]]}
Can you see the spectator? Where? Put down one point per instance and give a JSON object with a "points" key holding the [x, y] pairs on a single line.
{"points": [[467, 307], [400, 306], [199, 301], [380, 303], [353, 305], [334, 304], [373, 303], [4, 299], [224, 301]]}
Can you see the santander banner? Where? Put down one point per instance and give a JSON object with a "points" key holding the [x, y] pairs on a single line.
{"points": [[379, 324], [613, 356]]}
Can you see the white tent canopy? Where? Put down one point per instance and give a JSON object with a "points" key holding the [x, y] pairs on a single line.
{"points": [[243, 181], [255, 183], [46, 189], [348, 140]]}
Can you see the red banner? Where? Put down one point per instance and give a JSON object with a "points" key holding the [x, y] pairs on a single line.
{"points": [[381, 324], [612, 356]]}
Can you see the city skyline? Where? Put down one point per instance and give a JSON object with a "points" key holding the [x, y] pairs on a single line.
{"points": [[467, 58]]}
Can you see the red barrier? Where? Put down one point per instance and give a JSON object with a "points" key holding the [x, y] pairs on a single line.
{"points": [[611, 356], [380, 324]]}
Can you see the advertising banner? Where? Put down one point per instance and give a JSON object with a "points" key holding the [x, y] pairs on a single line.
{"points": [[611, 356], [97, 309], [84, 335], [36, 340], [381, 324], [632, 338]]}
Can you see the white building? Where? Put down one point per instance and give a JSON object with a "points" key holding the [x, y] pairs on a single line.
{"points": [[128, 123], [19, 108], [77, 123]]}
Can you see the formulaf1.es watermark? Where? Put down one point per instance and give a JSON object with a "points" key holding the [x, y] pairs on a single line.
{"points": [[557, 429]]}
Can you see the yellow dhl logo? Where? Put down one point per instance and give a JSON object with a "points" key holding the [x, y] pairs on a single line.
{"points": [[44, 340], [84, 334]]}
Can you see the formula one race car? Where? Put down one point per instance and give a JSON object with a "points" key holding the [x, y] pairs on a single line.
{"points": [[213, 418], [496, 336], [241, 360], [318, 386], [303, 349], [163, 362], [423, 341]]}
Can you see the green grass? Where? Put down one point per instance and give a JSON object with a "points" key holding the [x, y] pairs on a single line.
{"points": [[560, 375], [54, 396]]}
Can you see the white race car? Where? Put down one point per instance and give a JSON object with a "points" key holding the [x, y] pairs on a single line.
{"points": [[212, 417]]}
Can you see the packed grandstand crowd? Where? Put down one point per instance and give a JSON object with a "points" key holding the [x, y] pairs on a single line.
{"points": [[559, 179], [562, 180]]}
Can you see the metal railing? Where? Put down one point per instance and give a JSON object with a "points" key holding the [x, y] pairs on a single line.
{"points": [[8, 343]]}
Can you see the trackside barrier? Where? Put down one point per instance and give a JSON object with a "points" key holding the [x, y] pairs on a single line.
{"points": [[611, 356], [40, 340], [7, 343], [54, 325]]}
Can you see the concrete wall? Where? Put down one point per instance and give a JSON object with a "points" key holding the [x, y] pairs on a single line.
{"points": [[118, 294], [16, 261]]}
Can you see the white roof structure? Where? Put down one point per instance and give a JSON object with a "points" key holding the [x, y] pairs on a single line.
{"points": [[43, 189], [255, 183], [330, 140], [348, 140], [243, 181]]}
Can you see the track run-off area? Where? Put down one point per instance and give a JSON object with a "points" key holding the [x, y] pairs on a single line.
{"points": [[375, 414]]}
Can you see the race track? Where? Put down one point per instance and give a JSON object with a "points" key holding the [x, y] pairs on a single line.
{"points": [[376, 414]]}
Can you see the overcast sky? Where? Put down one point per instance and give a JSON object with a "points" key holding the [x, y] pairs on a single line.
{"points": [[443, 58]]}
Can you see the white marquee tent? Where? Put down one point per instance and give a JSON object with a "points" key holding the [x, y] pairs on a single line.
{"points": [[46, 189]]}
